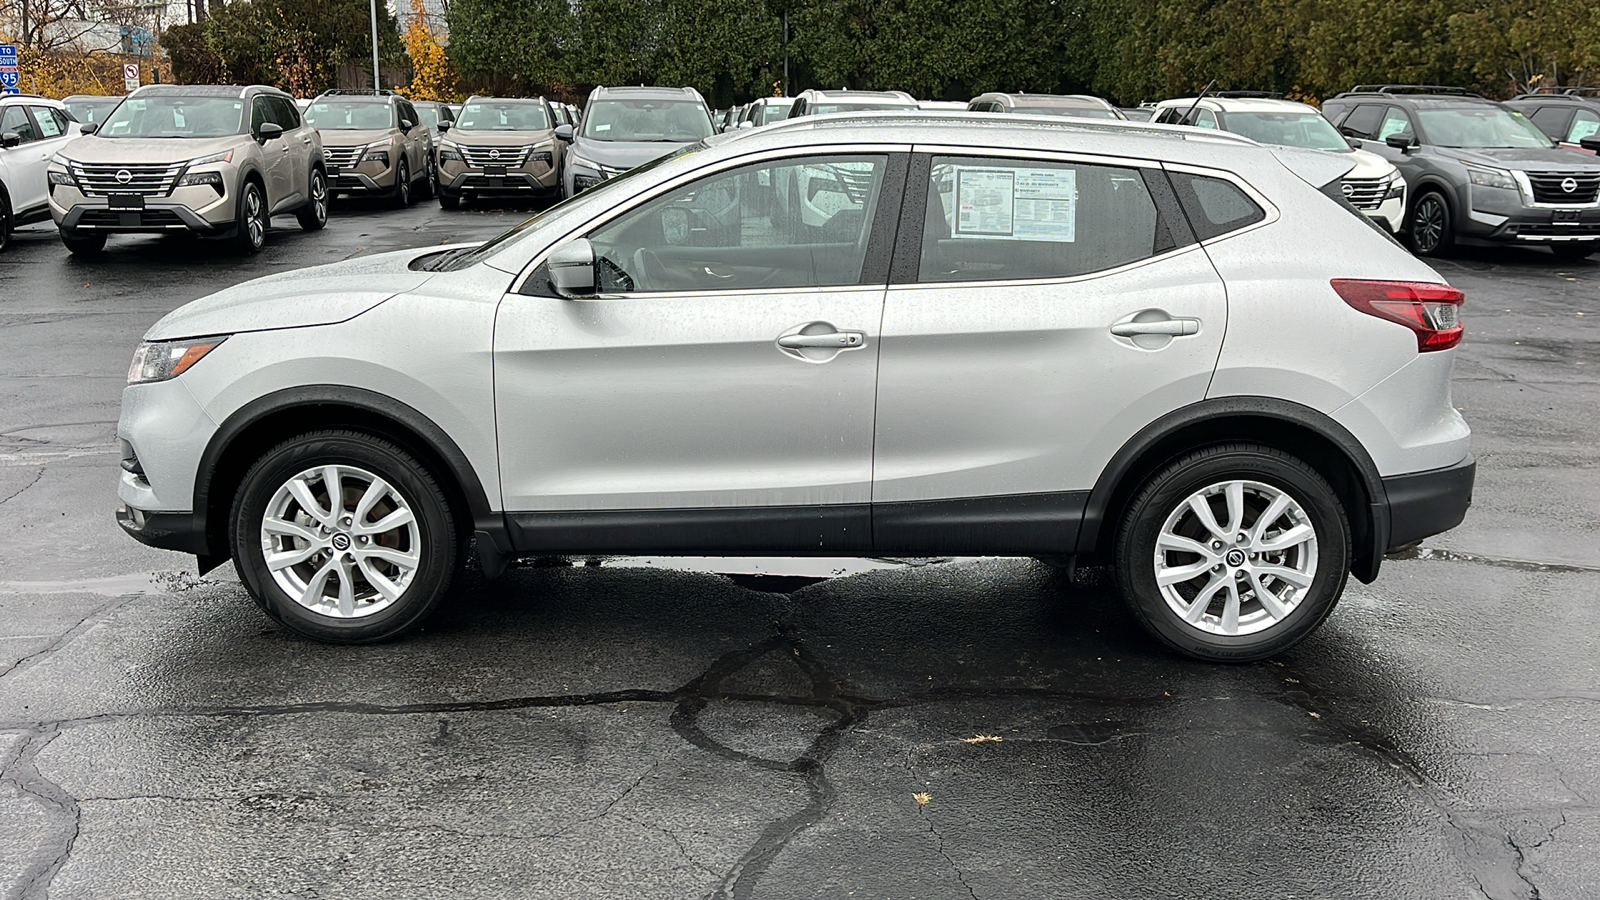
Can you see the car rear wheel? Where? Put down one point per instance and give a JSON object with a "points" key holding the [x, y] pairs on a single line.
{"points": [[314, 214], [343, 537], [402, 187], [5, 222], [1431, 232], [251, 235], [1574, 251], [83, 244], [1233, 553]]}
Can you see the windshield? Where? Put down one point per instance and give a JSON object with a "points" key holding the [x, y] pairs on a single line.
{"points": [[428, 114], [175, 117], [368, 115], [503, 115], [773, 112], [91, 112], [1480, 128], [660, 121], [1082, 112], [474, 255], [1290, 129]]}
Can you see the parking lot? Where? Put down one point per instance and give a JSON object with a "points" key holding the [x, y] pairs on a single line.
{"points": [[990, 728]]}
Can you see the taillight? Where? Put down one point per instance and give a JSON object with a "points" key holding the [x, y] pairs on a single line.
{"points": [[1432, 311]]}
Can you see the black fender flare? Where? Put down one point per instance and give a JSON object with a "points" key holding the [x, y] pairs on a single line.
{"points": [[1186, 428]]}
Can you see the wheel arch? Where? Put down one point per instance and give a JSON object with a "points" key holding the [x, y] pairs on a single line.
{"points": [[269, 420], [1295, 429]]}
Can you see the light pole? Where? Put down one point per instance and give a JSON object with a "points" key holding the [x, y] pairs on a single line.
{"points": [[376, 85]]}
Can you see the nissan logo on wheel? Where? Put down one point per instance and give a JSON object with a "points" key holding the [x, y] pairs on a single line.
{"points": [[124, 176], [1569, 184]]}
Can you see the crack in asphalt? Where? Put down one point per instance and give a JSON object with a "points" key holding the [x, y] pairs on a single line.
{"points": [[36, 478], [23, 773], [1499, 562], [84, 624]]}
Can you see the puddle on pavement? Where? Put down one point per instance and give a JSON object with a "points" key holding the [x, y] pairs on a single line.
{"points": [[114, 586]]}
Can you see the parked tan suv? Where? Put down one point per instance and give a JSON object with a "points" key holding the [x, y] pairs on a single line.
{"points": [[219, 161], [500, 147], [373, 144]]}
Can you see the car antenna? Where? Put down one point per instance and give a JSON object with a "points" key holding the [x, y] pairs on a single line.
{"points": [[1190, 111]]}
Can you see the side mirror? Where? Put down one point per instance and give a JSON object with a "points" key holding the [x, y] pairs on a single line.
{"points": [[88, 128], [1591, 144], [10, 139], [443, 126], [1401, 141], [572, 269], [746, 124], [1355, 143], [269, 131], [564, 133], [407, 124]]}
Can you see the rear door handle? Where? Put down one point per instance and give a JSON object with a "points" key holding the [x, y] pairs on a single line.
{"points": [[836, 340], [1170, 327]]}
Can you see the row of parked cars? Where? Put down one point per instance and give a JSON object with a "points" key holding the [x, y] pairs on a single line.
{"points": [[1436, 165]]}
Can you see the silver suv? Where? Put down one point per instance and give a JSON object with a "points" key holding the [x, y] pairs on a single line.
{"points": [[1058, 339], [32, 129], [623, 127], [218, 161]]}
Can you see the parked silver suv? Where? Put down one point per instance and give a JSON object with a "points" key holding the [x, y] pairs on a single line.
{"points": [[218, 161], [1159, 347]]}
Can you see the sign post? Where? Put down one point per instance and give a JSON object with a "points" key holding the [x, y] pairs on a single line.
{"points": [[9, 73], [130, 77]]}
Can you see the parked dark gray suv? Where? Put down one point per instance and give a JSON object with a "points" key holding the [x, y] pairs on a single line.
{"points": [[1478, 170], [1570, 116]]}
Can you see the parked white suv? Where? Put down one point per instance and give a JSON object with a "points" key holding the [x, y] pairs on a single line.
{"points": [[1163, 348], [1373, 185], [32, 129]]}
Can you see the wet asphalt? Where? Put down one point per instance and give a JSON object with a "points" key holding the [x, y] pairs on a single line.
{"points": [[928, 729]]}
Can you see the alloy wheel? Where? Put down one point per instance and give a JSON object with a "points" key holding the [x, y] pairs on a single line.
{"points": [[1236, 558], [1427, 227], [340, 541], [254, 219]]}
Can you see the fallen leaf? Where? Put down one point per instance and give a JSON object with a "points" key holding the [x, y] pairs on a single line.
{"points": [[922, 799], [982, 739]]}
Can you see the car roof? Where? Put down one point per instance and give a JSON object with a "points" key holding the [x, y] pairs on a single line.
{"points": [[641, 91], [1581, 99], [1416, 99], [233, 91], [896, 96], [1239, 104], [1048, 99]]}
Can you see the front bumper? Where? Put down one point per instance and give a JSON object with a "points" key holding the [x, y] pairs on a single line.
{"points": [[180, 531], [512, 184], [197, 209], [1423, 504], [1504, 216]]}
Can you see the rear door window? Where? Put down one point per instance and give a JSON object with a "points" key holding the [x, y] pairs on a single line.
{"points": [[52, 122], [1003, 219]]}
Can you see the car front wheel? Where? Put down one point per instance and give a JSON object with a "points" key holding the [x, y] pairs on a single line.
{"points": [[401, 198], [1574, 250], [343, 537], [83, 243], [1233, 553], [251, 234], [1432, 233]]}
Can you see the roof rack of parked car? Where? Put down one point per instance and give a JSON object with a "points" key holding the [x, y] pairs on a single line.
{"points": [[357, 92], [1546, 93], [1243, 95], [1413, 89]]}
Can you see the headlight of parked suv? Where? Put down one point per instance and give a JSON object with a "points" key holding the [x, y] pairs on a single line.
{"points": [[224, 156], [59, 160], [582, 163], [449, 150], [163, 360], [1495, 178], [1397, 187], [378, 151]]}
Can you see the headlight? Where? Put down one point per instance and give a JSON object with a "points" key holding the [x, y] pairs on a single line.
{"points": [[582, 163], [193, 178], [1397, 187], [58, 177], [377, 150], [162, 360], [224, 156], [449, 150], [59, 160], [1495, 178]]}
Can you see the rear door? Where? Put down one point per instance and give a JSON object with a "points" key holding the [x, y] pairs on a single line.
{"points": [[1043, 308], [723, 377]]}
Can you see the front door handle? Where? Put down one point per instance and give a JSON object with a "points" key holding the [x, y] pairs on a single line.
{"points": [[835, 340], [1169, 327]]}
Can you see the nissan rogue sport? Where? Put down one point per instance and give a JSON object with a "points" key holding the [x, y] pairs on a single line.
{"points": [[1060, 339], [218, 161]]}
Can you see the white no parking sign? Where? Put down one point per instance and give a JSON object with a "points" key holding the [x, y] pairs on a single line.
{"points": [[130, 77]]}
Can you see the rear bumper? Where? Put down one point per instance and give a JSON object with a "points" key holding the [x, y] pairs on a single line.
{"points": [[1423, 504]]}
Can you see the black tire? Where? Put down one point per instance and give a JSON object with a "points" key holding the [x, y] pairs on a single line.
{"points": [[314, 215], [401, 198], [5, 221], [430, 185], [1431, 231], [449, 201], [437, 545], [1574, 251], [1167, 492], [83, 244], [251, 225]]}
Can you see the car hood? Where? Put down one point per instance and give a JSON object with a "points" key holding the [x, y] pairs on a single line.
{"points": [[622, 154], [320, 295], [1370, 165], [1534, 159], [502, 138], [353, 137], [91, 148]]}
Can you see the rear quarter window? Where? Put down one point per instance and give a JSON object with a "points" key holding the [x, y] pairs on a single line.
{"points": [[1214, 206]]}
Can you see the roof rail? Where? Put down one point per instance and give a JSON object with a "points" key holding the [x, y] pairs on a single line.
{"points": [[1413, 89], [1244, 95], [357, 92]]}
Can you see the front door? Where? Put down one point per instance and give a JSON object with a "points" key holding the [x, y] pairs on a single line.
{"points": [[720, 387], [1054, 312], [25, 163], [275, 156]]}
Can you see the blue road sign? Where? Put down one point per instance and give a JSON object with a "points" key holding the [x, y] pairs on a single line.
{"points": [[8, 56], [8, 79], [8, 69]]}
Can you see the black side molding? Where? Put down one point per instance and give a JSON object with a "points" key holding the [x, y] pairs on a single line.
{"points": [[1011, 525], [841, 530]]}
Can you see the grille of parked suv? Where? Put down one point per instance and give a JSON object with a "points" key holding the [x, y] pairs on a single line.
{"points": [[144, 179], [1366, 193], [1551, 187], [341, 157], [510, 157]]}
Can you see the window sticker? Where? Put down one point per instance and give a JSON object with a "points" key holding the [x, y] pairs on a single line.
{"points": [[1582, 129], [47, 124], [1017, 204]]}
